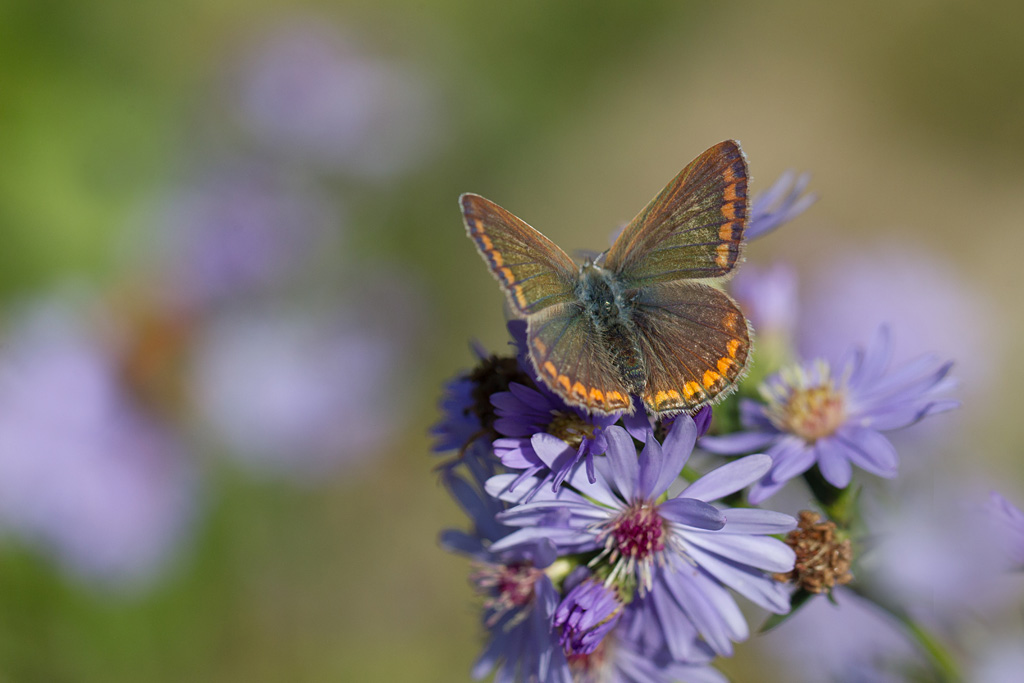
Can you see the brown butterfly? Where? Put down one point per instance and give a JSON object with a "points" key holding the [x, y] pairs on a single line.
{"points": [[641, 319]]}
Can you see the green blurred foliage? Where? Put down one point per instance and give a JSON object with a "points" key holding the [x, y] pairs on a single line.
{"points": [[561, 106]]}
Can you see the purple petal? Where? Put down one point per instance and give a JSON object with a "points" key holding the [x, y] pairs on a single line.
{"points": [[765, 489], [693, 513], [622, 459], [549, 448], [792, 458], [870, 451], [761, 552], [710, 607], [762, 590], [755, 521], [638, 425], [833, 463], [674, 453], [730, 478], [738, 443]]}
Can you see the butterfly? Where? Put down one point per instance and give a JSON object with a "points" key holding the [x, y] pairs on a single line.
{"points": [[641, 319]]}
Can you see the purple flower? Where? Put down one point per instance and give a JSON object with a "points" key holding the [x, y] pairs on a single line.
{"points": [[587, 613], [1010, 521], [781, 203], [811, 416], [919, 295], [85, 473], [297, 393], [681, 551], [849, 641], [309, 92], [544, 436], [636, 652], [239, 229]]}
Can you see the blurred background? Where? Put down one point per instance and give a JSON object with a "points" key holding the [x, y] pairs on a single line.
{"points": [[234, 278]]}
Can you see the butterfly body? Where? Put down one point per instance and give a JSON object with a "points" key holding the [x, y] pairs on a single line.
{"points": [[643, 320], [611, 312]]}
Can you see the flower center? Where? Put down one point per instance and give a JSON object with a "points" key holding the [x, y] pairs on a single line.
{"points": [[806, 404], [823, 555], [492, 375], [505, 587], [570, 428], [639, 532]]}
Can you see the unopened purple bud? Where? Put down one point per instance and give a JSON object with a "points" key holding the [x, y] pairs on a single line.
{"points": [[586, 615]]}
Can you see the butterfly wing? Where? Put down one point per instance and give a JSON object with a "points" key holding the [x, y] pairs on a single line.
{"points": [[693, 229], [532, 271], [695, 342], [567, 354]]}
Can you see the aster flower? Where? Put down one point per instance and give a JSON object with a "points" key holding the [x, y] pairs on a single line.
{"points": [[543, 435], [239, 228], [295, 393], [519, 598], [781, 203], [86, 474], [682, 551], [1010, 520], [812, 417], [310, 92]]}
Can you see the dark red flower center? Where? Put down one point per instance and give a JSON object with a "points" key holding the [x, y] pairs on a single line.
{"points": [[639, 532]]}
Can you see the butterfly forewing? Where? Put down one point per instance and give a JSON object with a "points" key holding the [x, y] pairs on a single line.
{"points": [[532, 270], [695, 342], [567, 355], [693, 229]]}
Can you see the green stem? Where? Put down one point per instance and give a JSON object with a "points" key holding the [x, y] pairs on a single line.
{"points": [[941, 660]]}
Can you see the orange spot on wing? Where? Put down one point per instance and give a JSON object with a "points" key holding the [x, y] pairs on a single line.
{"points": [[730, 190], [732, 346], [709, 379], [498, 260], [724, 364], [690, 389], [729, 211], [549, 367], [507, 275], [520, 299], [596, 395], [540, 346], [564, 381], [486, 243], [723, 255], [579, 391]]}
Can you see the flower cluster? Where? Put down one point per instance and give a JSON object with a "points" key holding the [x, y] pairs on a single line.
{"points": [[616, 547]]}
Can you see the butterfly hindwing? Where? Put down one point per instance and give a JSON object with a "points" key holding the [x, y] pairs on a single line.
{"points": [[693, 229], [566, 353], [695, 341], [532, 270]]}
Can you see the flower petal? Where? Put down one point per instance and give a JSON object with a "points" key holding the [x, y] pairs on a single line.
{"points": [[738, 443], [833, 463], [870, 451], [762, 590], [692, 513], [756, 521], [761, 552], [729, 478], [622, 459]]}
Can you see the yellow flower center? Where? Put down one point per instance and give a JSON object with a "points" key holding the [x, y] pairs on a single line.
{"points": [[807, 406], [570, 428]]}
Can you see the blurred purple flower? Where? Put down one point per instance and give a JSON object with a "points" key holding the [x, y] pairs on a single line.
{"points": [[769, 298], [811, 417], [999, 660], [920, 296], [299, 393], [851, 641], [308, 91], [1010, 521], [84, 473], [936, 554], [239, 229], [682, 551], [780, 203]]}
